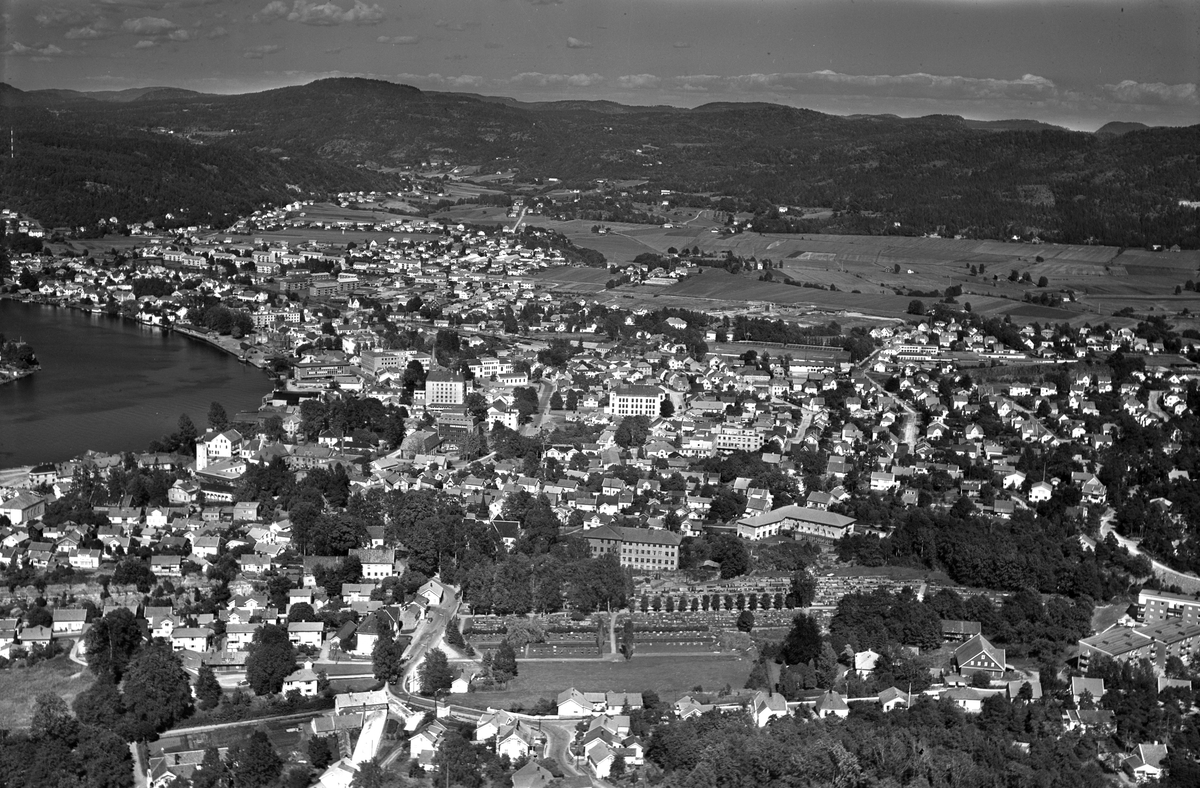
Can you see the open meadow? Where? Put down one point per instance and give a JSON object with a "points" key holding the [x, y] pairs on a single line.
{"points": [[1102, 280], [20, 686], [670, 677]]}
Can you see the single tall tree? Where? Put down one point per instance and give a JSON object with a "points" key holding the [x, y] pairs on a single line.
{"points": [[111, 643], [505, 660], [387, 656], [157, 690], [100, 705], [435, 672], [187, 432], [271, 659], [217, 419], [208, 689]]}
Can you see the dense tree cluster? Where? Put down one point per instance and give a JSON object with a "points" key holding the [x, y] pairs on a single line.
{"points": [[59, 749], [16, 355], [933, 743], [1026, 551]]}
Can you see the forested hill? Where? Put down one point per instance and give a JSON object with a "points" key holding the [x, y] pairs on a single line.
{"points": [[80, 159]]}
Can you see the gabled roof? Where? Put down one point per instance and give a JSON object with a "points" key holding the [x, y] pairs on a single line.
{"points": [[831, 701], [977, 646]]}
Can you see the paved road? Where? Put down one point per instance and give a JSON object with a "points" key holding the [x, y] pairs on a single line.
{"points": [[428, 635], [1187, 582], [559, 736], [911, 418]]}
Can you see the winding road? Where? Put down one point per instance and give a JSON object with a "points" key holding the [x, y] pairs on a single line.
{"points": [[1187, 582]]}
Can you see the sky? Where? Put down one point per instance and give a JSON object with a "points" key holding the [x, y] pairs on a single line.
{"points": [[1076, 63]]}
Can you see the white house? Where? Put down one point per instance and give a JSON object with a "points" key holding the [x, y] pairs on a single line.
{"points": [[766, 707], [306, 633], [69, 621], [191, 638], [303, 680]]}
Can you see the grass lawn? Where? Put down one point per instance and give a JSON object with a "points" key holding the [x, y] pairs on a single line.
{"points": [[1104, 616], [670, 677], [19, 687]]}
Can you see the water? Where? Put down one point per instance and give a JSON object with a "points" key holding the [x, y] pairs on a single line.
{"points": [[110, 384]]}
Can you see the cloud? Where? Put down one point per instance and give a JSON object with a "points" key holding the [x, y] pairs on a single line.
{"points": [[261, 51], [545, 2], [442, 81], [38, 51], [638, 81], [457, 27], [575, 43], [90, 32], [537, 79], [145, 43], [682, 45], [399, 40], [457, 56], [148, 26], [276, 9], [1130, 92], [307, 12], [918, 85], [217, 32], [49, 17], [157, 4], [492, 45]]}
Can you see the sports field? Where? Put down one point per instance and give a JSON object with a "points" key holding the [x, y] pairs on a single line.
{"points": [[670, 677]]}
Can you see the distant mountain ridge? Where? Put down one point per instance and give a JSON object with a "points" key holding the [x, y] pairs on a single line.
{"points": [[55, 95], [1118, 127], [59, 95], [878, 173]]}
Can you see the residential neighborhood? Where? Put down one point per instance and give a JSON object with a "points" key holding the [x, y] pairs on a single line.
{"points": [[460, 468]]}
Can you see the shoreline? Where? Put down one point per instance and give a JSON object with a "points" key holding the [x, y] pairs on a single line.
{"points": [[12, 376], [226, 345], [18, 475]]}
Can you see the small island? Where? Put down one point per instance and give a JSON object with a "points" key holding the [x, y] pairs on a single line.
{"points": [[17, 360]]}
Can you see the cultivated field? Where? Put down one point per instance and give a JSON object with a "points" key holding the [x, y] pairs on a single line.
{"points": [[670, 677], [1104, 279], [20, 686]]}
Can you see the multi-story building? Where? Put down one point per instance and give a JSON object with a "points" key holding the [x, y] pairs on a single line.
{"points": [[444, 389], [1155, 642], [731, 438], [377, 361], [636, 401], [217, 446], [1157, 606], [645, 549]]}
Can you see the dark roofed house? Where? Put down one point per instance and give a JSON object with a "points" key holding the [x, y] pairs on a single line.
{"points": [[977, 655], [959, 630], [508, 531]]}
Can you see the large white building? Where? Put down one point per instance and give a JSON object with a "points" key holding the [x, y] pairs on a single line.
{"points": [[444, 389], [636, 401], [801, 522], [647, 549], [215, 446]]}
